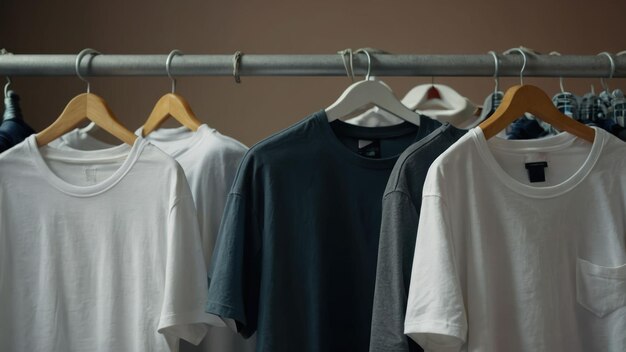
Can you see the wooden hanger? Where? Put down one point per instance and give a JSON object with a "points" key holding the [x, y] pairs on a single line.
{"points": [[171, 105], [528, 98], [85, 106], [364, 94]]}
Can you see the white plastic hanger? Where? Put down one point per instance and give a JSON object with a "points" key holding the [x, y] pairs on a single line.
{"points": [[442, 103], [90, 129], [375, 117], [605, 85], [363, 94]]}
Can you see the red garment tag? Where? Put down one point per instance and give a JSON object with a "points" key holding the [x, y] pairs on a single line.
{"points": [[433, 93]]}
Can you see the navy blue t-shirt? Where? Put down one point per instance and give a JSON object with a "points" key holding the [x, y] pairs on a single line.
{"points": [[13, 129], [12, 132], [295, 259]]}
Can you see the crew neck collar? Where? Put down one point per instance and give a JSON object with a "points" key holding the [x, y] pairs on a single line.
{"points": [[560, 141], [168, 135], [130, 154], [332, 141]]}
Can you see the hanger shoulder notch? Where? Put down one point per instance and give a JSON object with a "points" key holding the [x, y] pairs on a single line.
{"points": [[171, 105], [85, 106]]}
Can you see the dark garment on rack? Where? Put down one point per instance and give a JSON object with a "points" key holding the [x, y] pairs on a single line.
{"points": [[492, 101], [525, 128], [598, 111], [593, 112], [295, 258], [400, 216], [13, 129]]}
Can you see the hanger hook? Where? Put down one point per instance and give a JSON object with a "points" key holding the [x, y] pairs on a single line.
{"points": [[3, 51], [79, 57], [369, 62], [561, 85], [496, 71], [236, 65], [349, 68], [521, 72], [168, 65], [7, 86], [604, 83]]}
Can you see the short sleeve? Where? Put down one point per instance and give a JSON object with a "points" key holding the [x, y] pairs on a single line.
{"points": [[234, 275], [393, 271], [185, 286], [436, 318], [218, 179]]}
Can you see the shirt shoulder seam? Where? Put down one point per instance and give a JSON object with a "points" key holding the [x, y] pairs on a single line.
{"points": [[422, 143], [399, 192]]}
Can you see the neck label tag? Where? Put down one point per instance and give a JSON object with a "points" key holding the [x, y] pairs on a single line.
{"points": [[536, 171]]}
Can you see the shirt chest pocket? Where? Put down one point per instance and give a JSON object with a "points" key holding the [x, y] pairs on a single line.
{"points": [[600, 289]]}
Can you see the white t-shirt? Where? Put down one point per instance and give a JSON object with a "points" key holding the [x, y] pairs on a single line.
{"points": [[99, 251], [502, 264], [210, 161], [81, 137]]}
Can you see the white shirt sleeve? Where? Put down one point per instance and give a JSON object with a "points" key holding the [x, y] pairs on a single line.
{"points": [[436, 317], [186, 286]]}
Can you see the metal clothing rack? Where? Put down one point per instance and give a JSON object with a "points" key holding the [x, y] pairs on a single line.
{"points": [[314, 65]]}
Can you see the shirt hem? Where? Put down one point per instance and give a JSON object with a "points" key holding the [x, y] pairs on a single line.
{"points": [[419, 332], [225, 312], [191, 326]]}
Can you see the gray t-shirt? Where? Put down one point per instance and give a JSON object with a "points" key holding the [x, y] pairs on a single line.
{"points": [[400, 214]]}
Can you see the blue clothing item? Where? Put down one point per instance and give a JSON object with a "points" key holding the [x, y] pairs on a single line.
{"points": [[593, 111], [295, 258], [491, 103], [600, 111], [12, 132], [522, 128], [605, 124], [618, 108], [13, 129], [592, 108], [567, 103], [525, 128]]}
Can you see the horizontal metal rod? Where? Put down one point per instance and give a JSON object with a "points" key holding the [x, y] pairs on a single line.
{"points": [[313, 65]]}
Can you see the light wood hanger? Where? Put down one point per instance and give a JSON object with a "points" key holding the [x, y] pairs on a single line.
{"points": [[525, 98], [171, 105], [85, 106], [364, 94], [528, 98]]}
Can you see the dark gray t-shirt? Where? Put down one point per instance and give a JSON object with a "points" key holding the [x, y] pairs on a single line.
{"points": [[295, 258], [400, 215]]}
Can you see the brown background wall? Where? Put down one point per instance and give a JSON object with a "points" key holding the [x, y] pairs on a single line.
{"points": [[261, 105]]}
